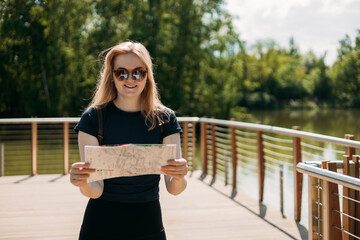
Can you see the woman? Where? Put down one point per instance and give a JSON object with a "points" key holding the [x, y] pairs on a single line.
{"points": [[127, 207]]}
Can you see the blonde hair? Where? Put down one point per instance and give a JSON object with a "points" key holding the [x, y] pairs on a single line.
{"points": [[150, 104]]}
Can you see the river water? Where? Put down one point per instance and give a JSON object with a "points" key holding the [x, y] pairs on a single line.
{"points": [[333, 122]]}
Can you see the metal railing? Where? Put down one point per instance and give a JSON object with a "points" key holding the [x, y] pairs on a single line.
{"points": [[228, 149], [328, 218], [37, 145], [49, 145]]}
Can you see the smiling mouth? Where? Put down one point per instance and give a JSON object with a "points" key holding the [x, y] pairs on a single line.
{"points": [[130, 86]]}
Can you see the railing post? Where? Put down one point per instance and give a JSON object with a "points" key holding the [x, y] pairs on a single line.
{"points": [[34, 146], [185, 140], [281, 172], [346, 202], [204, 157], [261, 163], [298, 177], [357, 196], [2, 160], [66, 147], [233, 155], [313, 213], [193, 140], [350, 151], [213, 145], [331, 206]]}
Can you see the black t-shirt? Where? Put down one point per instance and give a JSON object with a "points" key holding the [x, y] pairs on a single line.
{"points": [[122, 127]]}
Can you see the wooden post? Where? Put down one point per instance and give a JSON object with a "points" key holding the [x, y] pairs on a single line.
{"points": [[350, 151], [204, 157], [346, 202], [66, 147], [185, 140], [331, 206], [357, 196], [298, 177], [261, 163], [34, 146], [2, 160], [193, 139], [281, 190], [233, 155], [313, 209], [213, 144]]}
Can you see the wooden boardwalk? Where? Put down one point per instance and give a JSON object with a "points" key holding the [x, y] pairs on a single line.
{"points": [[49, 207]]}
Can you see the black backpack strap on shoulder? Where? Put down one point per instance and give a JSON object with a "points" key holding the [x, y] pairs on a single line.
{"points": [[162, 133], [100, 126]]}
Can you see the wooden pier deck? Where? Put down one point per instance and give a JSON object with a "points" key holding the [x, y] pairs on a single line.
{"points": [[49, 207]]}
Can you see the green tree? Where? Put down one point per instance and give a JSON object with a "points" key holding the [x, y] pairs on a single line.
{"points": [[41, 56], [346, 72]]}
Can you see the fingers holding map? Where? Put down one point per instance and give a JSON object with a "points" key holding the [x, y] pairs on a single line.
{"points": [[127, 160]]}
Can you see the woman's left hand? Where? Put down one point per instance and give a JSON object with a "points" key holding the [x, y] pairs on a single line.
{"points": [[176, 168]]}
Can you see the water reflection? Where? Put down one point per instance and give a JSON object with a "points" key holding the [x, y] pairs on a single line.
{"points": [[333, 122]]}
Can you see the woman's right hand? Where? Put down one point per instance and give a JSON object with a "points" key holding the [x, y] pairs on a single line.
{"points": [[79, 173]]}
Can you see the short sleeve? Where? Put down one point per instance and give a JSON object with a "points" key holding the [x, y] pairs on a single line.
{"points": [[88, 122], [171, 126]]}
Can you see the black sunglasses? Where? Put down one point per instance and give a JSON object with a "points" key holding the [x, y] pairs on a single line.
{"points": [[122, 74]]}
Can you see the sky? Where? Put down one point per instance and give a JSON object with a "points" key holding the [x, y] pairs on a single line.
{"points": [[316, 25]]}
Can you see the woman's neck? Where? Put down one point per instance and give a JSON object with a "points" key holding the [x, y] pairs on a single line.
{"points": [[127, 105]]}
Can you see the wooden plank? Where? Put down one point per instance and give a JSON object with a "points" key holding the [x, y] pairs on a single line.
{"points": [[54, 210]]}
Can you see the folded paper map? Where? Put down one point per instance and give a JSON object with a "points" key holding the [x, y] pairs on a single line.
{"points": [[127, 160]]}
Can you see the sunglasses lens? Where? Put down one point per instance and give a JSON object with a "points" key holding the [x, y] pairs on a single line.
{"points": [[121, 74], [137, 75]]}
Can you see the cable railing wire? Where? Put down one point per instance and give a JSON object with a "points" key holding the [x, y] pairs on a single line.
{"points": [[239, 144], [250, 140], [268, 151], [275, 139], [252, 134], [267, 144], [348, 233]]}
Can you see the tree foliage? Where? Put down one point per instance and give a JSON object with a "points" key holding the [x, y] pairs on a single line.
{"points": [[51, 53]]}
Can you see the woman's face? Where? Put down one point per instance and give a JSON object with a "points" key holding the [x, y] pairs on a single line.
{"points": [[129, 75]]}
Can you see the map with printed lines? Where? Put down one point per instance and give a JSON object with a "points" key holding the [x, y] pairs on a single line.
{"points": [[127, 160]]}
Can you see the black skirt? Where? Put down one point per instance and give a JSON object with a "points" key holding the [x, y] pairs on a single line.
{"points": [[122, 221]]}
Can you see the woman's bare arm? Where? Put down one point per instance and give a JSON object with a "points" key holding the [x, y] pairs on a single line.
{"points": [[176, 169], [80, 170]]}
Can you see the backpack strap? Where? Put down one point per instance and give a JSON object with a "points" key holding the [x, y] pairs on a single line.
{"points": [[100, 126], [162, 133]]}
